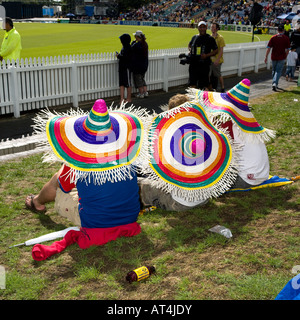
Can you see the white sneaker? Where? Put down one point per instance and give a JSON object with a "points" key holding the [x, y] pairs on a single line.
{"points": [[146, 94], [140, 96]]}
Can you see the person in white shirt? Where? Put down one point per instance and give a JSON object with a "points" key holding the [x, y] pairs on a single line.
{"points": [[254, 166], [291, 63]]}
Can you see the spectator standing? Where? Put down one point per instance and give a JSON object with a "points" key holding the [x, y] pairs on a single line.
{"points": [[295, 40], [280, 45], [202, 47], [124, 58], [291, 64], [287, 28], [218, 59], [140, 63], [11, 45]]}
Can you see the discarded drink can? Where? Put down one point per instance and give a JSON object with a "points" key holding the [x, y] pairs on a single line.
{"points": [[140, 273]]}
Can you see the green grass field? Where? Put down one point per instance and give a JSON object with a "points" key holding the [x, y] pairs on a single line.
{"points": [[191, 262], [47, 39]]}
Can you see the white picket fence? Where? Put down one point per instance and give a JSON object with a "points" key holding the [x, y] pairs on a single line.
{"points": [[32, 84]]}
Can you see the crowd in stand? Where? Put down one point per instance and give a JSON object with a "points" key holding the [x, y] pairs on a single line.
{"points": [[172, 11], [239, 12], [224, 12]]}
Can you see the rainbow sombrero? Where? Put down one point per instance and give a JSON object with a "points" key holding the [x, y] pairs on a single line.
{"points": [[100, 143], [233, 105], [190, 157]]}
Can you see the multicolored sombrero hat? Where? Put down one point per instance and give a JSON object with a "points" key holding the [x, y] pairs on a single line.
{"points": [[102, 143], [190, 157], [233, 105]]}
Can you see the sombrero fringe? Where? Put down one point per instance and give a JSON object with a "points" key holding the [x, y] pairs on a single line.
{"points": [[263, 135], [222, 186], [98, 176], [151, 135], [214, 191]]}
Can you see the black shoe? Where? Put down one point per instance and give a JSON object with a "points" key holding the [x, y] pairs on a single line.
{"points": [[274, 87], [223, 90]]}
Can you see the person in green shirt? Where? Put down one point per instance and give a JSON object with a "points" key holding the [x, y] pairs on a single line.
{"points": [[11, 45], [217, 60], [287, 28]]}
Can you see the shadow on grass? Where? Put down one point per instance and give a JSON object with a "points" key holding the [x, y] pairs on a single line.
{"points": [[294, 91]]}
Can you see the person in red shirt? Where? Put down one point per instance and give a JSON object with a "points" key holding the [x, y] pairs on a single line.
{"points": [[280, 45]]}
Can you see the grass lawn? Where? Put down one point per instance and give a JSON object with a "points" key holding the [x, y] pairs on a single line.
{"points": [[53, 39], [191, 262]]}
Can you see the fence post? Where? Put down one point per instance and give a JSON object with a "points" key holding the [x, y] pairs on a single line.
{"points": [[240, 69], [74, 84], [257, 53], [166, 73], [15, 92]]}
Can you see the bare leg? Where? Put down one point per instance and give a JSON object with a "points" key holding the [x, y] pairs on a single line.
{"points": [[47, 193], [129, 94], [122, 90], [141, 90], [221, 82]]}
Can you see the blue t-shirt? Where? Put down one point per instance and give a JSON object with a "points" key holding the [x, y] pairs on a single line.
{"points": [[110, 204]]}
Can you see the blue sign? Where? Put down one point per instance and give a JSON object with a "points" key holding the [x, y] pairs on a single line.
{"points": [[130, 23]]}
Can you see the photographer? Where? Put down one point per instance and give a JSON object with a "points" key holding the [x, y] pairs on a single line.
{"points": [[201, 47]]}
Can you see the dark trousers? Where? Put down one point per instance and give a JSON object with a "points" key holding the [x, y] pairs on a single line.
{"points": [[199, 74]]}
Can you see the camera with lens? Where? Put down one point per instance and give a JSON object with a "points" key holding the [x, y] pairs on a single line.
{"points": [[184, 58]]}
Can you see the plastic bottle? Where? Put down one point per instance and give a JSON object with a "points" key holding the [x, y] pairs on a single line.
{"points": [[222, 230], [147, 210], [140, 273], [295, 178]]}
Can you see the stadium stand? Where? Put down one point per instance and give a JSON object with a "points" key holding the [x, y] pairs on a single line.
{"points": [[227, 12]]}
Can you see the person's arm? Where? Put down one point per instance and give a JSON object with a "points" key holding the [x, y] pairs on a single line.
{"points": [[267, 54], [217, 61], [13, 42], [210, 54], [190, 44], [287, 49], [214, 49]]}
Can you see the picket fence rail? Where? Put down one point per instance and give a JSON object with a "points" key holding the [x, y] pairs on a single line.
{"points": [[31, 84]]}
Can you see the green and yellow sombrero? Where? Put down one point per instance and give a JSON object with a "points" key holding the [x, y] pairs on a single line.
{"points": [[104, 144], [190, 157], [233, 105]]}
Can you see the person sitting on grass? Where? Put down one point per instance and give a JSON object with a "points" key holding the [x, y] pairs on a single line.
{"points": [[98, 163], [151, 196]]}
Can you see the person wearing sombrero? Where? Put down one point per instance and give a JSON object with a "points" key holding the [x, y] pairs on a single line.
{"points": [[192, 159], [231, 110], [98, 151]]}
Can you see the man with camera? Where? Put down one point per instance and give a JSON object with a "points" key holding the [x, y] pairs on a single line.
{"points": [[201, 47]]}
